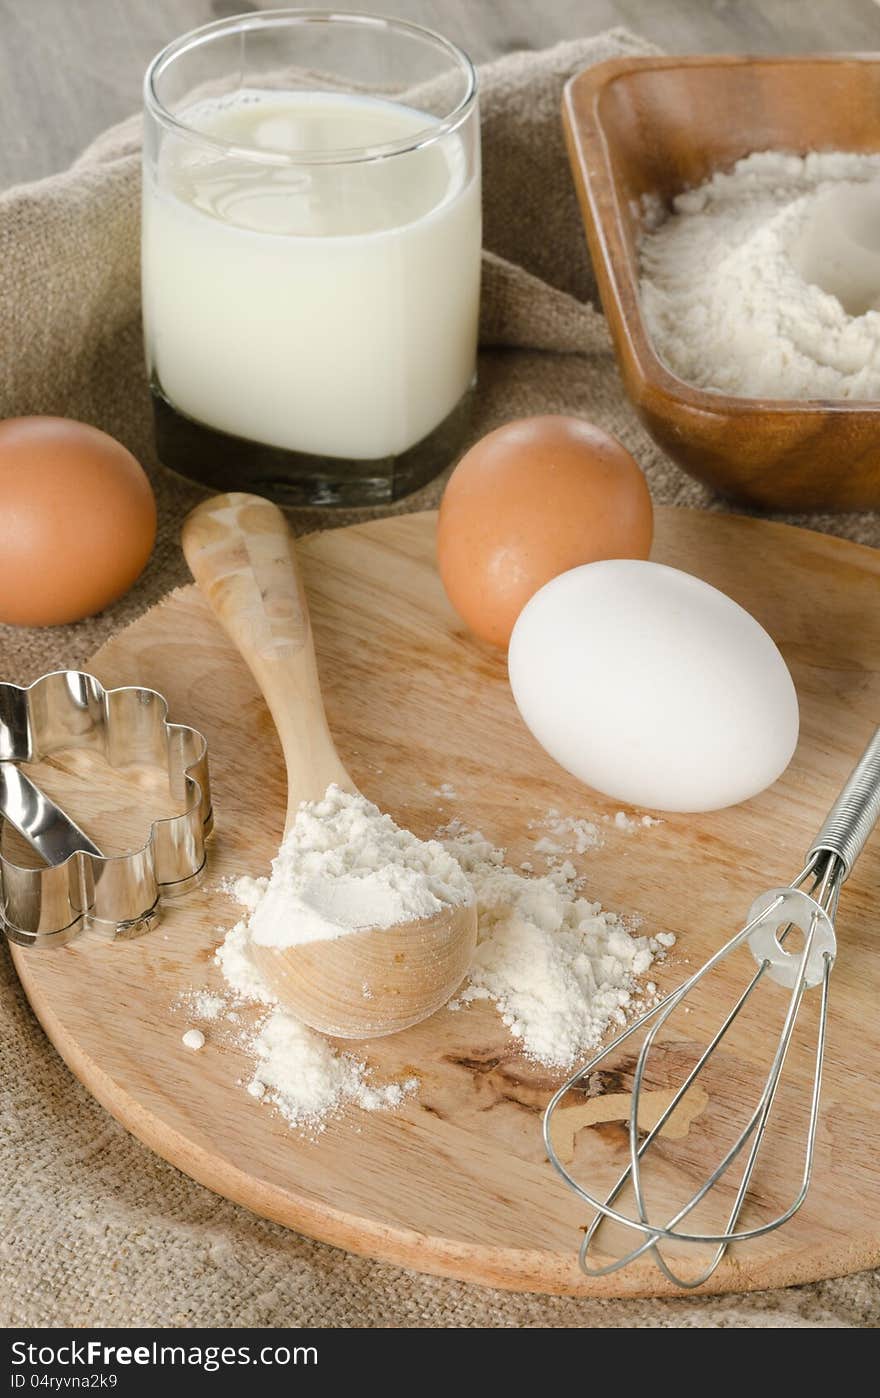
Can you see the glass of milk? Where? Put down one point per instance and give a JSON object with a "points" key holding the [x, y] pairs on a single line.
{"points": [[311, 254]]}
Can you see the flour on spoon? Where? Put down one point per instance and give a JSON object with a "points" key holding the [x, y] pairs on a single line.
{"points": [[344, 867]]}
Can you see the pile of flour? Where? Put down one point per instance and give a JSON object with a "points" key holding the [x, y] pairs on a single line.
{"points": [[559, 970], [345, 867], [308, 1080], [723, 289], [294, 1069]]}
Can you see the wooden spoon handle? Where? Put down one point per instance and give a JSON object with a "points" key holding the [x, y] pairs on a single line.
{"points": [[241, 553]]}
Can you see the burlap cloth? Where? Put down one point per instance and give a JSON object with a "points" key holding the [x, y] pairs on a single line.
{"points": [[95, 1229]]}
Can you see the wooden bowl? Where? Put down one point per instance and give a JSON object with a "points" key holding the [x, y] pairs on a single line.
{"points": [[656, 126]]}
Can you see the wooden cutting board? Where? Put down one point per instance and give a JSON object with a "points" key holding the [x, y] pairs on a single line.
{"points": [[456, 1182]]}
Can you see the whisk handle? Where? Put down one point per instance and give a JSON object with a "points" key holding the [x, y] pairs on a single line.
{"points": [[855, 812]]}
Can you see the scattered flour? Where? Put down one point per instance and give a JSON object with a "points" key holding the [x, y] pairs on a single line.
{"points": [[234, 959], [194, 1039], [559, 970], [247, 890], [565, 834], [621, 821], [308, 1080], [547, 846], [203, 1004], [722, 289], [446, 790], [345, 866]]}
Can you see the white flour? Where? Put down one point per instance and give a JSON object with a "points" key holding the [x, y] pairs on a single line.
{"points": [[622, 821], [202, 1004], [724, 299], [307, 1079], [565, 834], [234, 959], [343, 867], [559, 970]]}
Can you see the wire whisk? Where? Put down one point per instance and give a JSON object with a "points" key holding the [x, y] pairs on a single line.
{"points": [[809, 905]]}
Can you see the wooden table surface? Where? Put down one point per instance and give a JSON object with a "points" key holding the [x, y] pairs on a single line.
{"points": [[70, 68]]}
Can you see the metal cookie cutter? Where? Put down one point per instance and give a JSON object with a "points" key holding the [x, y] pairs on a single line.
{"points": [[81, 887]]}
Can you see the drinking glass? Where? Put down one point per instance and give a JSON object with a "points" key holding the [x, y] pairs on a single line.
{"points": [[311, 254]]}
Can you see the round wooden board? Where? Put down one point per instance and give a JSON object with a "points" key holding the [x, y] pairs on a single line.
{"points": [[456, 1182]]}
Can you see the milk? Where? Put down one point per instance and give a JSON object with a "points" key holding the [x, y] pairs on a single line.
{"points": [[324, 308]]}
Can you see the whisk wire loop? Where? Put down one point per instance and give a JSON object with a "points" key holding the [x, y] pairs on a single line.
{"points": [[827, 871]]}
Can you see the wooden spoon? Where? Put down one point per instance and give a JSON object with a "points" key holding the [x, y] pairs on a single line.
{"points": [[242, 556]]}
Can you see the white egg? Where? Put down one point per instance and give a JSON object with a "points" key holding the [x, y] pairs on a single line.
{"points": [[653, 687]]}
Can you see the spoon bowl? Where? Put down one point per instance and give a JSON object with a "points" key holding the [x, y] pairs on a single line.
{"points": [[374, 982]]}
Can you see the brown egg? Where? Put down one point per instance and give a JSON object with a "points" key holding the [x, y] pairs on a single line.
{"points": [[77, 521], [531, 500]]}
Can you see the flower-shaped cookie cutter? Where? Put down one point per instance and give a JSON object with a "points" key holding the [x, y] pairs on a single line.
{"points": [[80, 887]]}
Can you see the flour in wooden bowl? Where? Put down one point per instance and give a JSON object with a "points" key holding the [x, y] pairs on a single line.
{"points": [[729, 281]]}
